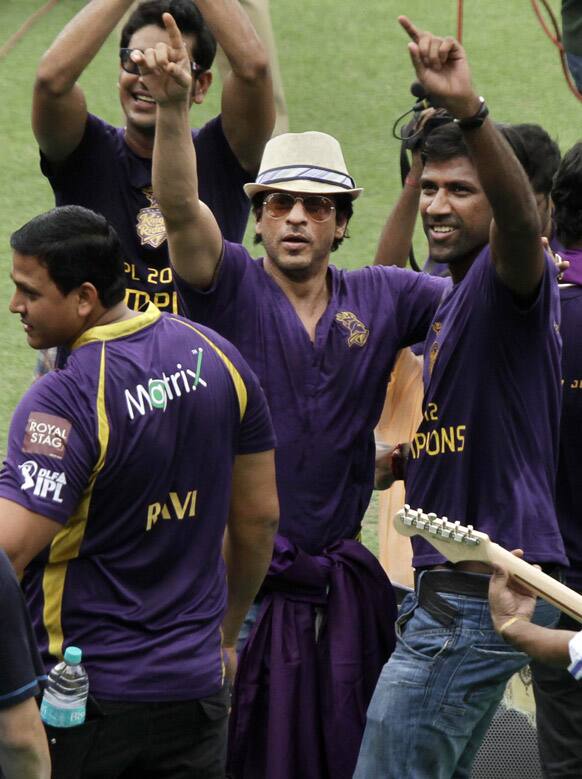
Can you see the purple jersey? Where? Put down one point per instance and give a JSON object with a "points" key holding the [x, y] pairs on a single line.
{"points": [[485, 453], [103, 174], [325, 397], [130, 448], [569, 479]]}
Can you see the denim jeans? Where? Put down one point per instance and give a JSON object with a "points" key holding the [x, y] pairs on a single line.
{"points": [[439, 691], [248, 624]]}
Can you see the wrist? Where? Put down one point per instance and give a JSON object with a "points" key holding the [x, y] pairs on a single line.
{"points": [[510, 626], [399, 461], [476, 119], [465, 106], [412, 181]]}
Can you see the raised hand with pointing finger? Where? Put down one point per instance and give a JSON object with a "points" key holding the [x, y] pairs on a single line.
{"points": [[442, 68], [166, 70]]}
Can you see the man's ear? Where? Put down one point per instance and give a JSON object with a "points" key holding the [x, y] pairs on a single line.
{"points": [[88, 299], [341, 225], [200, 86], [258, 217]]}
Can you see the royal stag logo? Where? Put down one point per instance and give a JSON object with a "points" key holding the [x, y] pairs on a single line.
{"points": [[357, 331], [150, 223]]}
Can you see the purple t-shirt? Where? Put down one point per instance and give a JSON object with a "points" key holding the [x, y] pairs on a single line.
{"points": [[485, 453], [569, 478], [325, 397], [130, 448], [103, 174]]}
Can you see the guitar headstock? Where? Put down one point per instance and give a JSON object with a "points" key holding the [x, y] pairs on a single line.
{"points": [[452, 539]]}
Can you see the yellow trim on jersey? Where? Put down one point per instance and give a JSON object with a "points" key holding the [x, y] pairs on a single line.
{"points": [[237, 380], [67, 543], [118, 329]]}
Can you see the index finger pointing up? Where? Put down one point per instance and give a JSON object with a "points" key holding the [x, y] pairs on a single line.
{"points": [[411, 29], [176, 40]]}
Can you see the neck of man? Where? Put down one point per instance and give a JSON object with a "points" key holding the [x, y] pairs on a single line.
{"points": [[140, 142], [101, 316], [302, 285], [459, 267], [308, 294]]}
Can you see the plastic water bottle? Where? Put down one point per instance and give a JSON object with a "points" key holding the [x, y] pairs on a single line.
{"points": [[64, 701]]}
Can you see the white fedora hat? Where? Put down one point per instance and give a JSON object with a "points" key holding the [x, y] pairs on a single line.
{"points": [[303, 162]]}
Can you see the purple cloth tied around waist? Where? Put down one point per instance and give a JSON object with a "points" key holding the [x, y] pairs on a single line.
{"points": [[299, 704]]}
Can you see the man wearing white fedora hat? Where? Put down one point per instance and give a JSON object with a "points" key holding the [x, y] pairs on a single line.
{"points": [[321, 341]]}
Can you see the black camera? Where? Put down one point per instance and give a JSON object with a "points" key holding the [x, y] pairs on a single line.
{"points": [[413, 133]]}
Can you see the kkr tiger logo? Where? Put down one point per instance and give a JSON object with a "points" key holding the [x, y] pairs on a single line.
{"points": [[357, 331], [150, 223]]}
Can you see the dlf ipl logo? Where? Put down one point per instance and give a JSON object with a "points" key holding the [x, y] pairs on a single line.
{"points": [[43, 482]]}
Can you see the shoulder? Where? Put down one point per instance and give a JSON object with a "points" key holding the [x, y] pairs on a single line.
{"points": [[237, 262], [99, 132], [66, 392], [225, 350], [395, 280], [212, 135]]}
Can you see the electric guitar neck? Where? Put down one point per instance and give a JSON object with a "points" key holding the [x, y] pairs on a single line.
{"points": [[458, 543]]}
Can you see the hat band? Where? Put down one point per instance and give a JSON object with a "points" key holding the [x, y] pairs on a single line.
{"points": [[309, 173]]}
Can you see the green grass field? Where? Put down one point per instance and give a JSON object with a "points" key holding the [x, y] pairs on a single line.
{"points": [[346, 71]]}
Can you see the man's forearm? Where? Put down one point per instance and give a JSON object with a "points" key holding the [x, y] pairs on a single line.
{"points": [[174, 169], [235, 33], [24, 750], [504, 181], [246, 564], [78, 43], [543, 644], [396, 237], [24, 763]]}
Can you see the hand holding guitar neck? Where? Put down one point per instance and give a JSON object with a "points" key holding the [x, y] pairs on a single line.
{"points": [[458, 543]]}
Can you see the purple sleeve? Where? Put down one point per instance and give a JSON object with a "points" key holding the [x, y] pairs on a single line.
{"points": [[50, 452], [86, 166], [256, 432], [537, 310], [418, 297], [21, 670], [235, 288], [221, 180]]}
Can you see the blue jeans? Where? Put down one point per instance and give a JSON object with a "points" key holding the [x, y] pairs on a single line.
{"points": [[248, 624], [438, 692]]}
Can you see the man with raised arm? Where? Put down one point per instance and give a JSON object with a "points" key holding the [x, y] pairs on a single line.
{"points": [[485, 453], [108, 169], [320, 339]]}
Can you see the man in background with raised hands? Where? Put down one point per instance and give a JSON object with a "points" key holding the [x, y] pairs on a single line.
{"points": [[485, 453]]}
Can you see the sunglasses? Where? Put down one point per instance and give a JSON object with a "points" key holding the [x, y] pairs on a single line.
{"points": [[279, 204], [131, 67]]}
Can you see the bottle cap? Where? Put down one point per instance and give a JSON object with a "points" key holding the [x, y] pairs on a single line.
{"points": [[73, 655]]}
